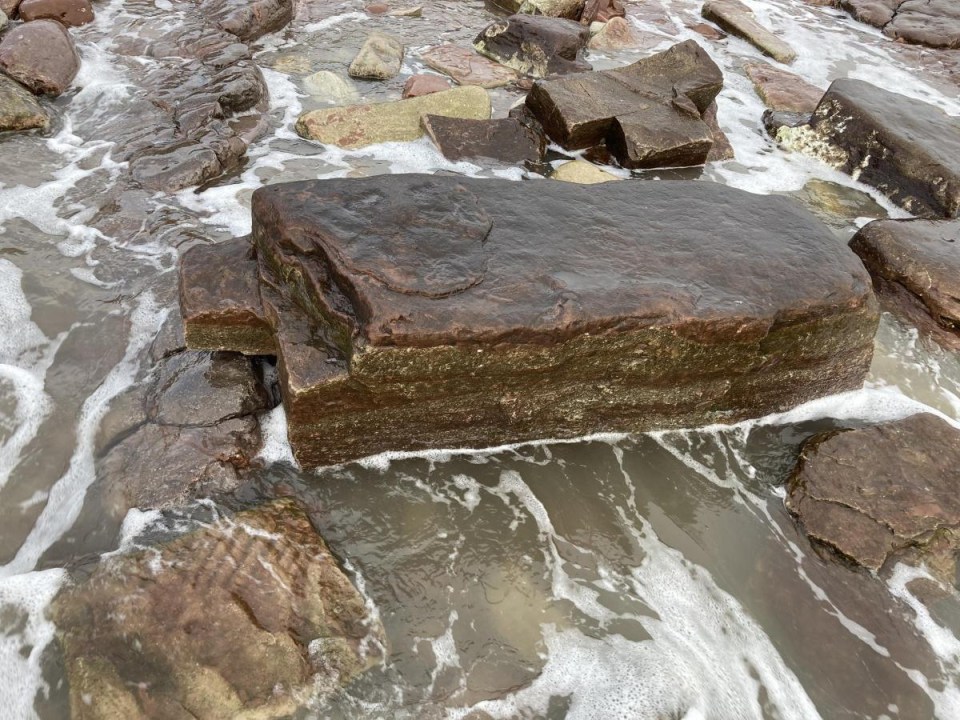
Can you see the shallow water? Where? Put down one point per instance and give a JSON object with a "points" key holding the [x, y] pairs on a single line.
{"points": [[652, 577]]}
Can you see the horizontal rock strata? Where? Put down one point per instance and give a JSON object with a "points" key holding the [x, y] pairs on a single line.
{"points": [[413, 311]]}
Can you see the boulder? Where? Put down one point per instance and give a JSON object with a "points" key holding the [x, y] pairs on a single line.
{"points": [[934, 23], [906, 148], [355, 126], [507, 140], [424, 84], [332, 87], [649, 114], [601, 11], [915, 266], [19, 109], [569, 9], [781, 90], [246, 617], [873, 12], [617, 34], [40, 55], [876, 493], [534, 45], [71, 13], [737, 19], [424, 311], [467, 67], [380, 58], [248, 20], [582, 173]]}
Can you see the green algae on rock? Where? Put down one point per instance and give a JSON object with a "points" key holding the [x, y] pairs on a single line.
{"points": [[247, 617], [414, 312]]}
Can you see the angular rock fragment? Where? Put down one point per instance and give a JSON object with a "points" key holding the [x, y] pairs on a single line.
{"points": [[507, 140], [617, 34], [534, 45], [649, 114], [434, 311], [582, 173], [424, 84], [782, 91], [41, 56], [467, 67], [906, 148], [875, 493], [71, 13], [19, 110], [934, 23], [737, 19], [248, 617], [355, 126], [601, 11], [915, 266], [721, 149], [380, 58]]}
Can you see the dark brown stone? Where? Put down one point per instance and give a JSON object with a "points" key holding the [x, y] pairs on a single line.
{"points": [[721, 149], [934, 23], [872, 494], [915, 265], [906, 148], [535, 45], [774, 120], [248, 616], [601, 11], [478, 312], [249, 19], [707, 31], [40, 55], [426, 84], [648, 113], [71, 13], [507, 140]]}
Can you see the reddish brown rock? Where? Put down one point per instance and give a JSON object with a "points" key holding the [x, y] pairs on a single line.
{"points": [[71, 13], [507, 140], [601, 11], [41, 56], [707, 31], [377, 8], [248, 20], [424, 84], [9, 7], [934, 23], [465, 312], [915, 266], [736, 18], [535, 45], [873, 12], [782, 90], [877, 493], [721, 149], [467, 67]]}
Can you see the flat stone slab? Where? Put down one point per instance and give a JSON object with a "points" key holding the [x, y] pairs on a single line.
{"points": [[649, 114], [535, 45], [415, 312], [915, 265], [872, 494], [906, 148], [781, 90], [934, 23], [506, 140], [737, 19], [467, 66]]}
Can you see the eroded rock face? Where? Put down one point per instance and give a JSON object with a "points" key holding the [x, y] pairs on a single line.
{"points": [[507, 140], [247, 617], [915, 265], [935, 23], [535, 45], [19, 110], [736, 18], [649, 114], [906, 148], [424, 311], [877, 493], [41, 56], [71, 13]]}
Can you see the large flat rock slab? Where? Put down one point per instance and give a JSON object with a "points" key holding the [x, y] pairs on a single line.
{"points": [[906, 148], [873, 494], [415, 311], [934, 23]]}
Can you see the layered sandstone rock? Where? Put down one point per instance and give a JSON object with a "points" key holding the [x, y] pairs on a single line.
{"points": [[412, 311]]}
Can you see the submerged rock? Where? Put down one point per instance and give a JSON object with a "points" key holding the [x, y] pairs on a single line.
{"points": [[355, 126], [906, 148], [41, 56], [915, 266], [331, 86], [380, 58], [649, 114], [782, 91], [424, 84], [534, 45], [879, 492], [737, 19], [248, 617], [415, 311], [71, 13], [582, 173], [507, 140], [839, 206], [467, 67], [19, 109]]}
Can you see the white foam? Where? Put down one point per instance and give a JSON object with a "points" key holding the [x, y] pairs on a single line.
{"points": [[25, 596], [330, 22], [276, 446]]}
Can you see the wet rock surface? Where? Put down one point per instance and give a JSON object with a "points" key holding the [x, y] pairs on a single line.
{"points": [[380, 58], [507, 140], [649, 114], [19, 109], [877, 493], [249, 616], [431, 336], [934, 23], [906, 148], [582, 173], [425, 84], [915, 265], [355, 126], [617, 34], [737, 19], [467, 67], [535, 45], [41, 56], [71, 13], [601, 11], [781, 90]]}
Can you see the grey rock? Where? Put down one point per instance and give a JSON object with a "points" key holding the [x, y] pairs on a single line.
{"points": [[19, 109], [737, 19], [535, 45]]}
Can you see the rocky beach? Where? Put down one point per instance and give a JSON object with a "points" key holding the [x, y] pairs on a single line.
{"points": [[478, 360]]}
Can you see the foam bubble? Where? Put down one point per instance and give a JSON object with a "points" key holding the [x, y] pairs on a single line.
{"points": [[276, 446]]}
